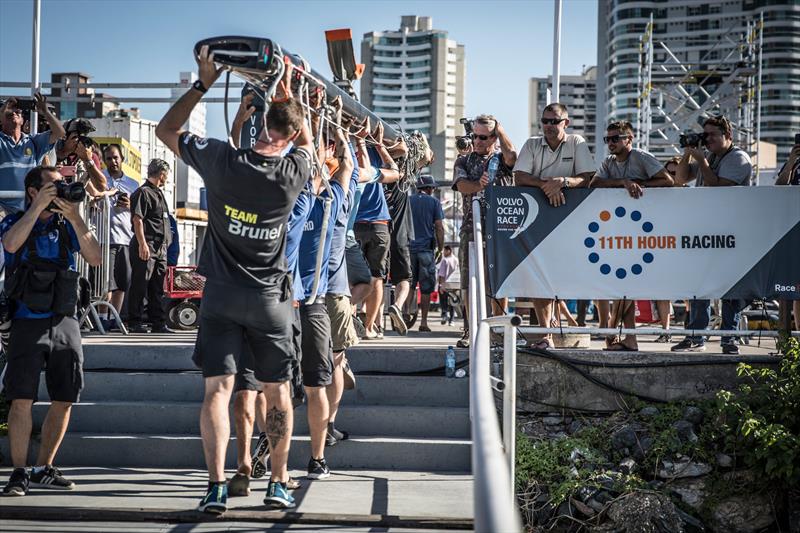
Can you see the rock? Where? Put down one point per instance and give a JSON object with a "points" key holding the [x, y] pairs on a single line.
{"points": [[574, 427], [577, 456], [742, 514], [584, 493], [595, 505], [582, 508], [627, 466], [691, 490], [565, 509], [685, 431], [559, 435], [649, 411], [694, 415], [682, 469], [625, 437], [690, 521], [655, 484], [644, 512], [644, 445], [553, 420], [724, 460]]}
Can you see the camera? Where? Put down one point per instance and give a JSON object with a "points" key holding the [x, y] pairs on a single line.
{"points": [[71, 192], [463, 143], [26, 105], [797, 139], [467, 123], [692, 139]]}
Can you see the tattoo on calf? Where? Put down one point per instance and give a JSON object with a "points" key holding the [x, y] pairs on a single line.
{"points": [[276, 425]]}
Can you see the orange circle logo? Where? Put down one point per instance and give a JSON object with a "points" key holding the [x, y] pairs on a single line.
{"points": [[604, 216]]}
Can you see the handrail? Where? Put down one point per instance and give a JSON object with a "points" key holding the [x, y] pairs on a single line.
{"points": [[656, 331]]}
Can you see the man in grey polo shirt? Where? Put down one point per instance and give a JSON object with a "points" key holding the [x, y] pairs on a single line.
{"points": [[721, 165], [632, 169], [555, 161]]}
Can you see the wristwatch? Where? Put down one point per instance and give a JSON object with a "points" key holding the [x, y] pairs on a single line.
{"points": [[198, 86]]}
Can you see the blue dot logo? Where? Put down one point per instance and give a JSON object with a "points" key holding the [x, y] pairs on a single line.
{"points": [[621, 273], [636, 269], [620, 211], [605, 269], [601, 243], [636, 216], [647, 258], [647, 227], [594, 227], [589, 242], [594, 258]]}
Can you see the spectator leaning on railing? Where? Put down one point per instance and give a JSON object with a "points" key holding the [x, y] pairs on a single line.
{"points": [[20, 153], [790, 175], [555, 161], [721, 165], [634, 170]]}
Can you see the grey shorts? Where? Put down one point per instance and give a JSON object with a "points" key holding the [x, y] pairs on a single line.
{"points": [[49, 344], [232, 318], [423, 268], [317, 360], [119, 268]]}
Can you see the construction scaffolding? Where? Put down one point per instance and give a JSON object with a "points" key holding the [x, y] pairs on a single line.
{"points": [[675, 96]]}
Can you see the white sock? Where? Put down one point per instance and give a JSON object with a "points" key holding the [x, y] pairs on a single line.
{"points": [[37, 469]]}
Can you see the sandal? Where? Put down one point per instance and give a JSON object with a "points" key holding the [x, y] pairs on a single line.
{"points": [[543, 344], [620, 347], [611, 340]]}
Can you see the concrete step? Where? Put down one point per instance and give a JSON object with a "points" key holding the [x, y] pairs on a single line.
{"points": [[363, 358], [167, 418], [185, 451], [188, 387]]}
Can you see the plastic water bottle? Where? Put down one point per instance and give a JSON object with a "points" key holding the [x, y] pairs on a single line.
{"points": [[450, 362], [494, 164]]}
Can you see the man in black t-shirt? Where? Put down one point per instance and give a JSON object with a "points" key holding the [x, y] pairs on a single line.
{"points": [[247, 296], [148, 249]]}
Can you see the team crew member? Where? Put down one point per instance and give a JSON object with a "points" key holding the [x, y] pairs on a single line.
{"points": [[317, 359], [152, 236], [553, 162], [632, 169], [250, 195], [428, 238], [372, 222], [470, 177], [44, 331]]}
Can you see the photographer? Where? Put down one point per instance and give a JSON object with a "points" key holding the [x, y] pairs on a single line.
{"points": [[19, 153], [790, 175], [721, 165], [42, 284], [470, 177], [152, 236], [76, 150]]}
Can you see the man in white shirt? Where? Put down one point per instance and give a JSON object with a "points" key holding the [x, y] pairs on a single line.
{"points": [[555, 161]]}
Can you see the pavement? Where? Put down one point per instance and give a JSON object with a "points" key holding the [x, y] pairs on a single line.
{"points": [[150, 497]]}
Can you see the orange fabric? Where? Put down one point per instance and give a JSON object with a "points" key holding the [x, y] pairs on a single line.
{"points": [[332, 164], [339, 35]]}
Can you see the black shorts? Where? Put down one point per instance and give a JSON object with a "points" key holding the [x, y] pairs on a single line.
{"points": [[424, 267], [317, 359], [245, 374], [374, 240], [357, 269], [399, 259], [119, 268], [232, 317], [52, 344]]}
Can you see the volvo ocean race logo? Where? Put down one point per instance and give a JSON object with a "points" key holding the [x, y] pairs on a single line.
{"points": [[516, 213]]}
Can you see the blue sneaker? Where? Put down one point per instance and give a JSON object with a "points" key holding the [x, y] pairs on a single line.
{"points": [[215, 500], [278, 496]]}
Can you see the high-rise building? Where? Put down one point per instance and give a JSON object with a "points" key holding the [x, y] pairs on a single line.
{"points": [[706, 37], [75, 100], [577, 93], [414, 77], [188, 180]]}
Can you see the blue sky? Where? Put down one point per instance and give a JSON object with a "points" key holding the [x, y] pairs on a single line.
{"points": [[507, 42]]}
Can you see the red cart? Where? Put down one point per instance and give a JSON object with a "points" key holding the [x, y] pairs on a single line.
{"points": [[183, 290]]}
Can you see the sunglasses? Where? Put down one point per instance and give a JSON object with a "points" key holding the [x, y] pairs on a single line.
{"points": [[482, 137], [615, 138], [552, 121]]}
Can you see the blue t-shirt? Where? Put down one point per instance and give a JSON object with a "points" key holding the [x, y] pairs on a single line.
{"points": [[425, 211], [372, 207], [47, 239], [294, 232], [16, 160], [337, 267], [309, 244]]}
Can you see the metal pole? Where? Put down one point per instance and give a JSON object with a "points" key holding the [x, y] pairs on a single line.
{"points": [[758, 107], [557, 51], [480, 277], [510, 396], [35, 63]]}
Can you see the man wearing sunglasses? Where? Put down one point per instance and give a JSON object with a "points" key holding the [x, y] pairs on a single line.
{"points": [[20, 153], [722, 164], [555, 161], [632, 169], [470, 177]]}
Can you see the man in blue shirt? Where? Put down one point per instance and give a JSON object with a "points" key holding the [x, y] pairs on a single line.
{"points": [[40, 246], [426, 211], [20, 153]]}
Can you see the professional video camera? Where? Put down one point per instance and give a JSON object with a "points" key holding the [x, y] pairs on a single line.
{"points": [[692, 139], [463, 142], [83, 128]]}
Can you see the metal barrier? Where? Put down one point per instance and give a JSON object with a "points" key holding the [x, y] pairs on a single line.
{"points": [[494, 495], [96, 212]]}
